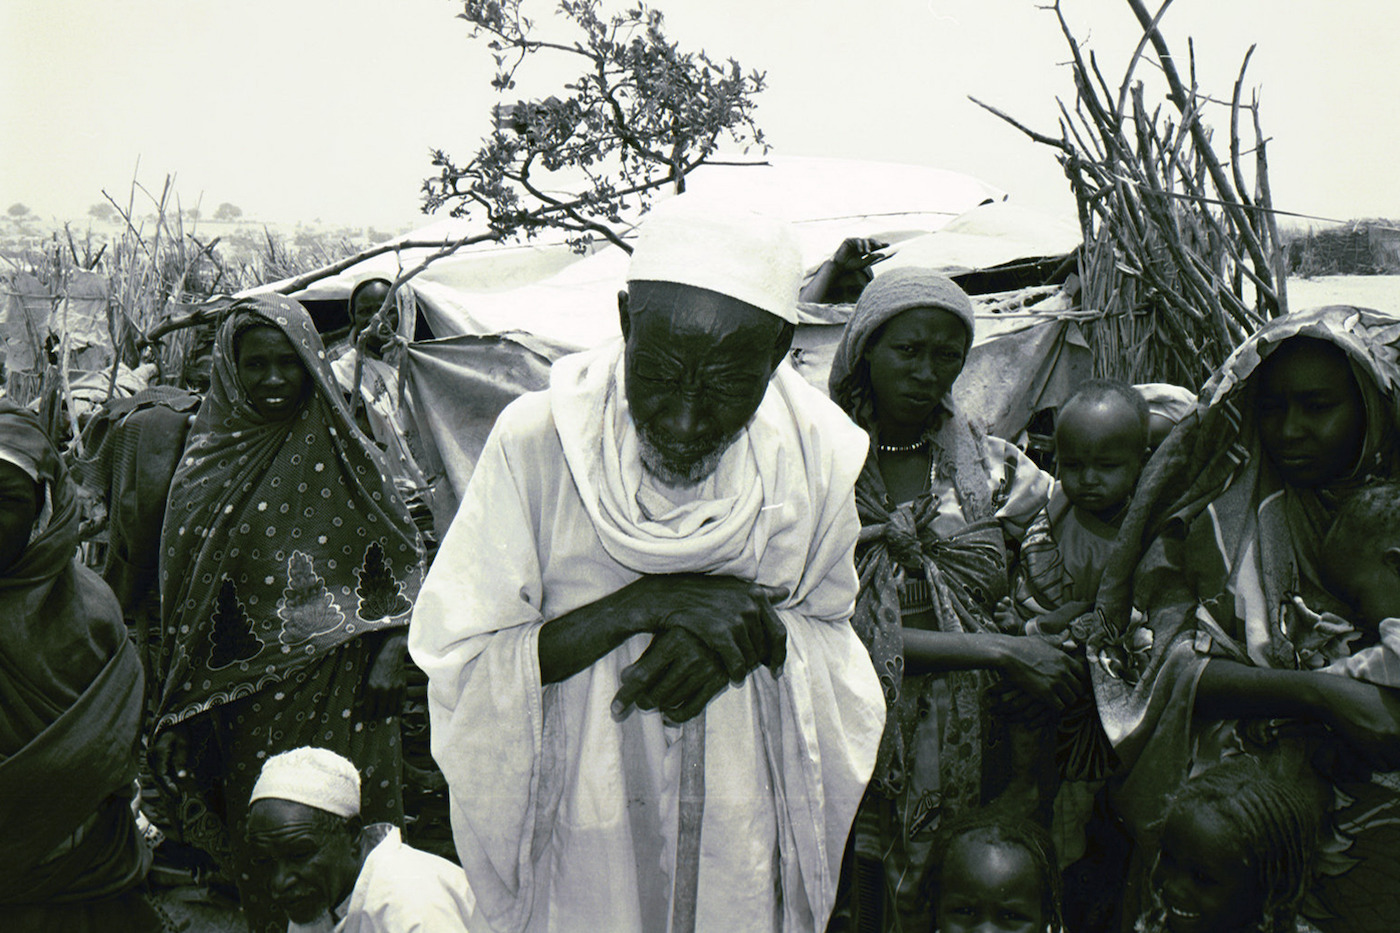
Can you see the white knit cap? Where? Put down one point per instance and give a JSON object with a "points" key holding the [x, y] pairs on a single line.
{"points": [[691, 240], [1169, 401], [316, 777]]}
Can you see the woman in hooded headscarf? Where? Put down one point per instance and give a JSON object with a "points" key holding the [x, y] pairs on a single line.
{"points": [[938, 500], [70, 710], [289, 567], [1207, 645]]}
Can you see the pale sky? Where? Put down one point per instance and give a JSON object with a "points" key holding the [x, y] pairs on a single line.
{"points": [[326, 109]]}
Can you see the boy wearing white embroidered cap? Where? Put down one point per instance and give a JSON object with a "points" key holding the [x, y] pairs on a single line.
{"points": [[326, 873]]}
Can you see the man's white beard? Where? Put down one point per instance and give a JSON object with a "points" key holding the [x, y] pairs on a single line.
{"points": [[681, 474]]}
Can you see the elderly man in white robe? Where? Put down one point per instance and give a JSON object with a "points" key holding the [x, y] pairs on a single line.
{"points": [[662, 537], [329, 874]]}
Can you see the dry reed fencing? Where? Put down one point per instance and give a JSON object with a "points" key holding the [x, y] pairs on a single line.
{"points": [[87, 320], [1181, 258]]}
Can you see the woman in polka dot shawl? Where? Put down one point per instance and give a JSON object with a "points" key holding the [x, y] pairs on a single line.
{"points": [[289, 567]]}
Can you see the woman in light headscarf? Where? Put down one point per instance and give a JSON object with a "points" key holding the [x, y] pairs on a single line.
{"points": [[1203, 649], [938, 500], [70, 710], [289, 567]]}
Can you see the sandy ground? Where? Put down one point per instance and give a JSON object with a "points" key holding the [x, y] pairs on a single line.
{"points": [[1381, 292]]}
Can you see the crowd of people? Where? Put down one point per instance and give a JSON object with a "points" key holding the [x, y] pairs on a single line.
{"points": [[710, 649]]}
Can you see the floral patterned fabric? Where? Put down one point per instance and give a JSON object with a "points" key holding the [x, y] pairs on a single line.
{"points": [[942, 752], [282, 539]]}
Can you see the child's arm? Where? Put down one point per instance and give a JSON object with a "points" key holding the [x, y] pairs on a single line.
{"points": [[1056, 622]]}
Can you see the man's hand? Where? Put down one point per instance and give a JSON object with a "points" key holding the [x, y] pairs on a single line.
{"points": [[842, 277], [731, 617], [677, 675], [857, 254]]}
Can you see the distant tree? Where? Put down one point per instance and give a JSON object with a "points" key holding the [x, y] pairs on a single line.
{"points": [[18, 211], [228, 212], [103, 212], [191, 213], [640, 115]]}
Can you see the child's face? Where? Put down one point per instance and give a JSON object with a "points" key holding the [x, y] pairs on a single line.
{"points": [[1366, 576], [1098, 447], [1202, 878], [989, 888]]}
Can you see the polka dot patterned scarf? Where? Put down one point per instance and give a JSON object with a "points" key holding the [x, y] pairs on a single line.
{"points": [[283, 539]]}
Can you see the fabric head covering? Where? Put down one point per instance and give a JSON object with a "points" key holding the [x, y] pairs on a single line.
{"points": [[283, 539], [316, 777], [888, 296], [1258, 542], [71, 697], [21, 460], [24, 443], [704, 244]]}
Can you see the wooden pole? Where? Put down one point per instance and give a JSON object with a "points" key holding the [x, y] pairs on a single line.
{"points": [[686, 882]]}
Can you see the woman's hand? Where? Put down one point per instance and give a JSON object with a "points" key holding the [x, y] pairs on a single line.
{"points": [[384, 684], [1040, 672], [1366, 717]]}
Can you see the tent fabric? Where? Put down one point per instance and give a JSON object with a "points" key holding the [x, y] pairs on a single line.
{"points": [[985, 236], [458, 385], [543, 287], [503, 313], [35, 311]]}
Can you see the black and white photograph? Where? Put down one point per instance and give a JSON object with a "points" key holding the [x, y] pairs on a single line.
{"points": [[663, 466]]}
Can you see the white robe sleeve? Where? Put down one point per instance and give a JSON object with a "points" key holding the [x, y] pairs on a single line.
{"points": [[832, 710], [474, 633]]}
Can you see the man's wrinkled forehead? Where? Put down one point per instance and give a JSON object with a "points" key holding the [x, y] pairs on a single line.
{"points": [[666, 311], [275, 822]]}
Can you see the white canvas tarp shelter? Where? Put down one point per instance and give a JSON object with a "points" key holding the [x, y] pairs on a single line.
{"points": [[501, 314], [543, 287]]}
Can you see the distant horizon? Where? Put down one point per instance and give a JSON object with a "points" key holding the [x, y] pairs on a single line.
{"points": [[328, 108]]}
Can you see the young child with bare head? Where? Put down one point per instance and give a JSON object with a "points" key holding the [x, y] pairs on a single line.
{"points": [[1101, 445], [1361, 556], [996, 874], [1237, 853]]}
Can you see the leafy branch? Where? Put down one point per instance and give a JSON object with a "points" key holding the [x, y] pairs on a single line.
{"points": [[639, 116]]}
